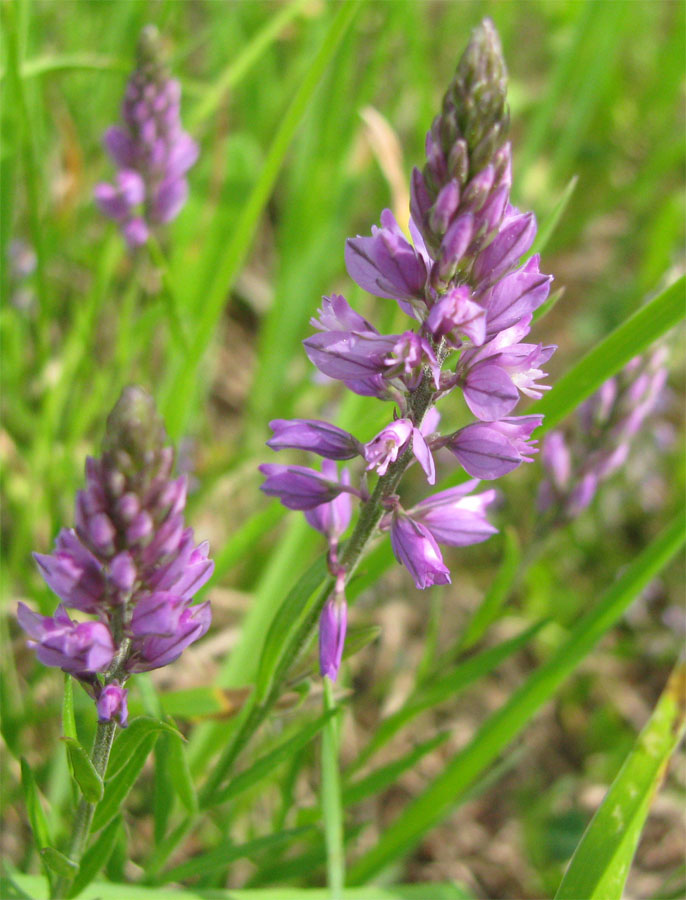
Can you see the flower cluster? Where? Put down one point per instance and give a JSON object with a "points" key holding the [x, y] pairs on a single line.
{"points": [[130, 562], [607, 424], [470, 302], [150, 149]]}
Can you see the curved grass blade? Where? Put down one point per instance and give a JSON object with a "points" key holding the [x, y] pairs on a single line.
{"points": [[601, 862], [180, 390], [449, 788], [218, 88], [266, 764], [445, 688]]}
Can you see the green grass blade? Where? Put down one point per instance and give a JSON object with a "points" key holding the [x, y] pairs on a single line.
{"points": [[217, 860], [332, 809], [95, 857], [601, 862], [220, 86], [489, 608], [549, 225], [34, 808], [632, 337], [445, 687], [449, 787], [266, 764], [383, 777], [181, 389]]}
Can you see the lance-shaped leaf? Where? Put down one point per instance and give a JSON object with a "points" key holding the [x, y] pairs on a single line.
{"points": [[96, 857], [83, 770], [58, 863], [129, 739], [601, 862], [118, 787]]}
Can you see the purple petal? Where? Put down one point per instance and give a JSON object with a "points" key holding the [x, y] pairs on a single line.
{"points": [[423, 455], [314, 435], [489, 392]]}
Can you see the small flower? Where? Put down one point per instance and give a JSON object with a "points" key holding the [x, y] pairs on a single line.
{"points": [[332, 629], [456, 314], [387, 265], [298, 487], [76, 647], [415, 547], [332, 519], [391, 443], [454, 518], [112, 704], [314, 435], [490, 450]]}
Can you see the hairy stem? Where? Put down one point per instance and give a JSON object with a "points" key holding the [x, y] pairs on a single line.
{"points": [[102, 745]]}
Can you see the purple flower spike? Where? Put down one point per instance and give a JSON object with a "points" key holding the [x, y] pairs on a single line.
{"points": [[298, 487], [332, 628], [150, 148], [314, 435], [415, 547], [130, 563], [459, 276], [112, 704], [387, 265], [76, 647]]}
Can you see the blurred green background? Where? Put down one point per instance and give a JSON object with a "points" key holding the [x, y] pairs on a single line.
{"points": [[288, 169]]}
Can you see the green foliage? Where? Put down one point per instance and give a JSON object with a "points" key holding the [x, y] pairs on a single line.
{"points": [[211, 318], [601, 861]]}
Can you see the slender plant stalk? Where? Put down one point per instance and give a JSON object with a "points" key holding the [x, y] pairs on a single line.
{"points": [[364, 531], [331, 799], [102, 745]]}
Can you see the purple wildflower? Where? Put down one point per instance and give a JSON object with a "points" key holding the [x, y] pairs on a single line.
{"points": [[332, 628], [600, 442], [151, 149], [130, 562], [461, 280]]}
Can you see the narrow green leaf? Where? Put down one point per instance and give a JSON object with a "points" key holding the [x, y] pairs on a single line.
{"points": [[609, 356], [218, 859], [68, 721], [117, 789], [177, 407], [286, 622], [182, 779], [88, 780], [128, 739], [163, 788], [96, 857], [379, 779], [34, 809], [549, 225], [489, 608], [252, 51], [445, 791], [444, 688], [358, 638], [602, 860], [265, 765], [58, 862], [332, 808]]}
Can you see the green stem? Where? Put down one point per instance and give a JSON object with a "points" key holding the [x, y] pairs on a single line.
{"points": [[331, 799], [370, 516], [102, 745]]}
